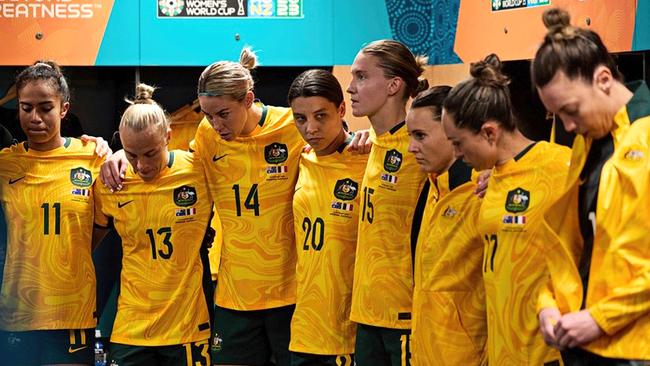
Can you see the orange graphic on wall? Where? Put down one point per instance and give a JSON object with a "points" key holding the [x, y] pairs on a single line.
{"points": [[516, 33], [67, 31]]}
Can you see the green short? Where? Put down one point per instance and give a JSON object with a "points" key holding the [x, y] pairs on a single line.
{"points": [[378, 346], [308, 359], [38, 347], [252, 337], [188, 354]]}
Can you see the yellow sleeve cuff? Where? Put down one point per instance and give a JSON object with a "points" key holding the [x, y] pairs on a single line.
{"points": [[601, 320], [546, 300]]}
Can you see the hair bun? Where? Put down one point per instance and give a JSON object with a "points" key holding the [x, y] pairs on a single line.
{"points": [[144, 93], [488, 72], [248, 58], [558, 24], [556, 18], [423, 84]]}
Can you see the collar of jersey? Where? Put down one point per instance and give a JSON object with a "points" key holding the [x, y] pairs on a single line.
{"points": [[345, 143], [265, 110], [511, 165], [66, 143]]}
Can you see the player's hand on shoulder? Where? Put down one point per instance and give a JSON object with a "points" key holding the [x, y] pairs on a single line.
{"points": [[361, 142], [482, 183], [101, 149], [113, 171]]}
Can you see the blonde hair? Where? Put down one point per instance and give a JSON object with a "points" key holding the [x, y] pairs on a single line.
{"points": [[227, 78], [144, 112]]}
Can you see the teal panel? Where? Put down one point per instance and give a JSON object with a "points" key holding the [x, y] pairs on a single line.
{"points": [[306, 41], [355, 26], [121, 43], [324, 32], [641, 40]]}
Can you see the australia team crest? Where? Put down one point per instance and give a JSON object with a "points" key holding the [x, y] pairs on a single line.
{"points": [[392, 161], [276, 153], [81, 177], [346, 189], [517, 200], [185, 196]]}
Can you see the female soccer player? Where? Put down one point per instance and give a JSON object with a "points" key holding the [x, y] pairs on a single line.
{"points": [[477, 118], [162, 214], [385, 74], [47, 303], [250, 152], [449, 322], [599, 311], [325, 213]]}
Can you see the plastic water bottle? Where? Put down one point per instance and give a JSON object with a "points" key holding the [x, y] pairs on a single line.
{"points": [[100, 352]]}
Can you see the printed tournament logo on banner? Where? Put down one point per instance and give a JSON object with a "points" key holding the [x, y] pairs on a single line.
{"points": [[498, 5], [185, 196], [346, 189], [170, 8], [81, 177], [230, 8], [275, 8], [202, 8]]}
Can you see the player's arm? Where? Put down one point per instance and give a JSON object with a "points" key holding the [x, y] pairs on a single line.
{"points": [[197, 145], [101, 146], [629, 250], [113, 170], [548, 313], [102, 222], [361, 142]]}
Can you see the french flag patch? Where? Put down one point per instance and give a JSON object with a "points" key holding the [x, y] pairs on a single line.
{"points": [[276, 169], [81, 192], [389, 178], [185, 211], [342, 206], [513, 219]]}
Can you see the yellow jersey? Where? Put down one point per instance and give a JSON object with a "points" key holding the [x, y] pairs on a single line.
{"points": [[449, 319], [519, 192], [162, 224], [325, 212], [620, 304], [383, 274], [252, 179], [48, 202]]}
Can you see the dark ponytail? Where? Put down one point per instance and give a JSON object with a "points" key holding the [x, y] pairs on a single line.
{"points": [[485, 96]]}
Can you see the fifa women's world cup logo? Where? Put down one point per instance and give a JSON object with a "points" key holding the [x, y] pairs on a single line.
{"points": [[171, 8]]}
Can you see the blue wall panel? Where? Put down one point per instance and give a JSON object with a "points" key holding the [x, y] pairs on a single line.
{"points": [[121, 43]]}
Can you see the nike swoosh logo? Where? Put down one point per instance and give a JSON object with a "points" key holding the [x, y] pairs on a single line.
{"points": [[73, 350], [217, 158], [297, 189], [12, 181], [120, 204]]}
